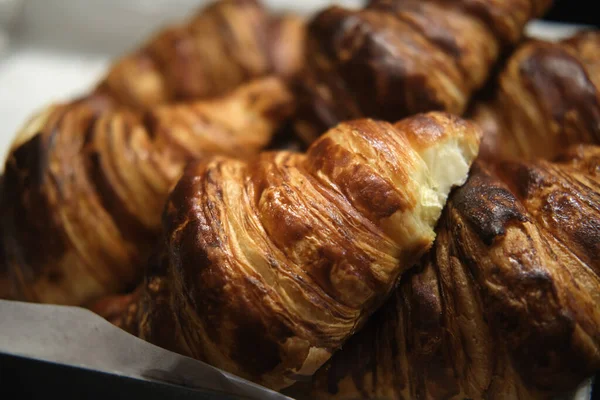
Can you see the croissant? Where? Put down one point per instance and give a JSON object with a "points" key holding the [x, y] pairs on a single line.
{"points": [[397, 58], [505, 305], [226, 44], [547, 98], [270, 264], [84, 188]]}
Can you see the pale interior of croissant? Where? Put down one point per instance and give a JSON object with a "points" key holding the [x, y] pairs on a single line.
{"points": [[448, 160]]}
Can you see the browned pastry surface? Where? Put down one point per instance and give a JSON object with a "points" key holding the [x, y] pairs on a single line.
{"points": [[547, 98], [226, 44], [273, 263], [287, 37], [147, 311], [505, 306], [397, 58], [505, 18], [84, 188]]}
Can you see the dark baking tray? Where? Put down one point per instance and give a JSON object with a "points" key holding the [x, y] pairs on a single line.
{"points": [[26, 378]]}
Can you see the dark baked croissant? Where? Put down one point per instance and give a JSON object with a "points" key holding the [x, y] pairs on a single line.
{"points": [[271, 264], [505, 306], [396, 58], [84, 188], [547, 98], [226, 44]]}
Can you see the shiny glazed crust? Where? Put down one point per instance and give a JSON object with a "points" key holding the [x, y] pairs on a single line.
{"points": [[224, 45], [272, 263], [84, 187], [547, 98], [397, 58], [506, 303]]}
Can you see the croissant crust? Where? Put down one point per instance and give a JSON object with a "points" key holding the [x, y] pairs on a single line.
{"points": [[547, 98], [505, 305], [226, 44], [271, 264], [84, 188], [397, 58]]}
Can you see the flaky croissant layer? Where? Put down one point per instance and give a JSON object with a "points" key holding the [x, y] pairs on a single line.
{"points": [[271, 264], [85, 186], [396, 58], [505, 305], [547, 98], [226, 44]]}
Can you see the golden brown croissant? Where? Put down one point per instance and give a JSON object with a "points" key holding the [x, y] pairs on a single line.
{"points": [[547, 98], [226, 44], [396, 58], [271, 264], [84, 188], [505, 306]]}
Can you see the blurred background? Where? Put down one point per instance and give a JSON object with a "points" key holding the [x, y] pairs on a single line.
{"points": [[575, 11], [52, 50]]}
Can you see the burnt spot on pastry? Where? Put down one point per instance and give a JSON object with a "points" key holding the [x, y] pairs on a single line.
{"points": [[487, 205]]}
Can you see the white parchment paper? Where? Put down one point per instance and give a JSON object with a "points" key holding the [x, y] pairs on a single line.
{"points": [[75, 336]]}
